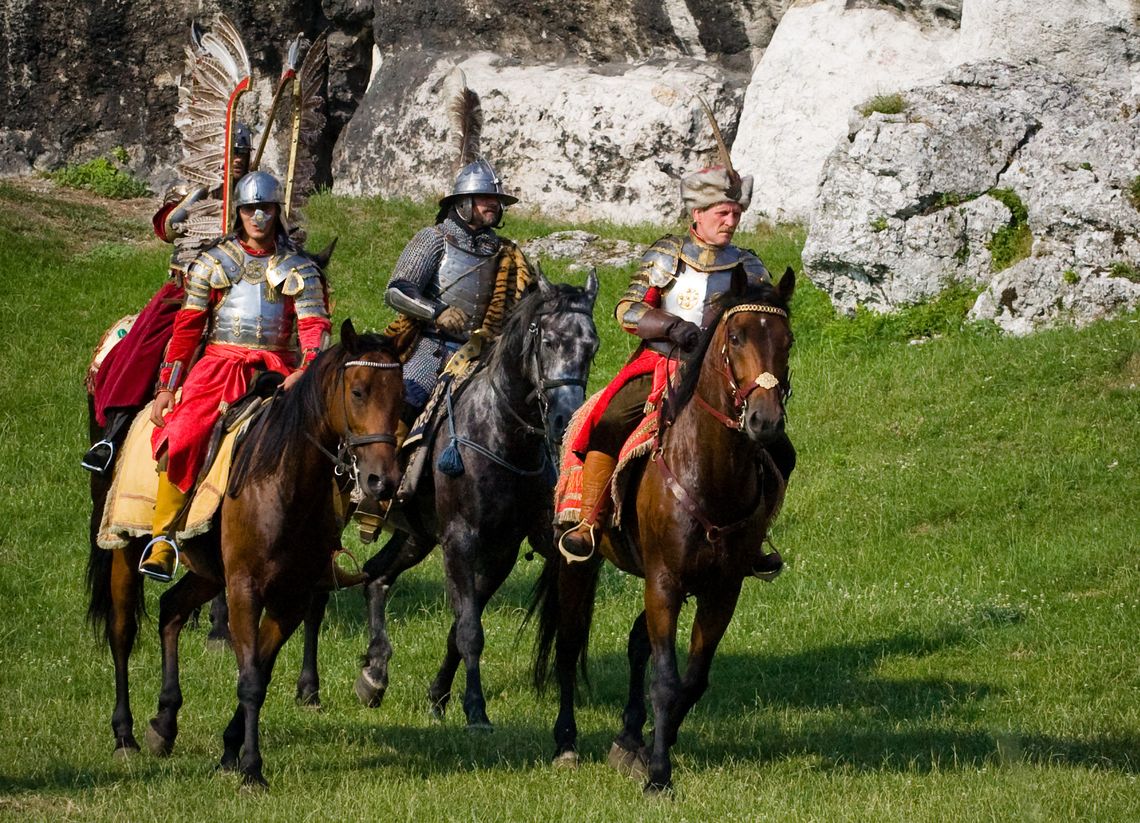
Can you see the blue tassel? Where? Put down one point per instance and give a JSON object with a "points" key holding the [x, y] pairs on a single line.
{"points": [[450, 461]]}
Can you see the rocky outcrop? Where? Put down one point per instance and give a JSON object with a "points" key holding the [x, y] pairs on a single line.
{"points": [[826, 57], [81, 78], [1004, 176], [605, 142]]}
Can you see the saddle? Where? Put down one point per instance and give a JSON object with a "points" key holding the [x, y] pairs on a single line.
{"points": [[129, 508]]}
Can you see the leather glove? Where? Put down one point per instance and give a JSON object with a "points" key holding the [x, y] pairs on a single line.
{"points": [[685, 334], [658, 324], [453, 321]]}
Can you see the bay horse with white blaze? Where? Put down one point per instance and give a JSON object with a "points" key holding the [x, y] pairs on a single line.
{"points": [[694, 525], [272, 539], [505, 421]]}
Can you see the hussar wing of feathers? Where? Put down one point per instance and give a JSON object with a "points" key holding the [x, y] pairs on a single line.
{"points": [[217, 72]]}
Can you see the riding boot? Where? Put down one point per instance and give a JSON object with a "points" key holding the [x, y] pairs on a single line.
{"points": [[370, 515], [160, 557], [580, 542], [101, 455]]}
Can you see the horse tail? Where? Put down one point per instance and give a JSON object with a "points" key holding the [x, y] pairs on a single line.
{"points": [[546, 601], [99, 590]]}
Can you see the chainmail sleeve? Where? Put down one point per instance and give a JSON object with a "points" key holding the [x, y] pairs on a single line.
{"points": [[413, 279]]}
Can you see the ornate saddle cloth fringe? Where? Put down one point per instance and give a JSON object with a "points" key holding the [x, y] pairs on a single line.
{"points": [[129, 509]]}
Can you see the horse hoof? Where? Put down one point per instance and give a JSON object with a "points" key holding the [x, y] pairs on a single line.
{"points": [[566, 760], [480, 727], [217, 644], [627, 763], [367, 692], [158, 745], [309, 700], [126, 751], [438, 706], [657, 789], [254, 784]]}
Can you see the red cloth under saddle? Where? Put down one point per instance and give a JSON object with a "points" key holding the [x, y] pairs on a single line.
{"points": [[568, 492], [221, 376], [127, 376]]}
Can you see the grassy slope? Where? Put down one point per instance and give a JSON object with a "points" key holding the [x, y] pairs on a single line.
{"points": [[955, 637]]}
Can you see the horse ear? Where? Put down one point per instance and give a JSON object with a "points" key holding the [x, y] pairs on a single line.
{"points": [[592, 285], [544, 285], [739, 281], [348, 335], [787, 284], [323, 257]]}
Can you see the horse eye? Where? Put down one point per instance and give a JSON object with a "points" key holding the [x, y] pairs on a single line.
{"points": [[358, 394], [734, 339]]}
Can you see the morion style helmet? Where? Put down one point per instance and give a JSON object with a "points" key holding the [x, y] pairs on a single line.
{"points": [[476, 175], [241, 139], [258, 187]]}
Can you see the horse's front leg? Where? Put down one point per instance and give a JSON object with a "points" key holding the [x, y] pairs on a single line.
{"points": [[309, 680], [465, 639], [122, 628], [714, 612], [175, 607], [662, 605], [399, 554]]}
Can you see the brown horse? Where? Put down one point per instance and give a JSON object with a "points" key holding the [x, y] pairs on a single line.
{"points": [[694, 526], [273, 538]]}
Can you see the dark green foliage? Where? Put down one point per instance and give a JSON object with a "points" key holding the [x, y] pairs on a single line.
{"points": [[103, 177], [1120, 268], [1134, 192], [1012, 242], [884, 104]]}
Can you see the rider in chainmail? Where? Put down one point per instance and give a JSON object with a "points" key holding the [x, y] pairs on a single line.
{"points": [[445, 276]]}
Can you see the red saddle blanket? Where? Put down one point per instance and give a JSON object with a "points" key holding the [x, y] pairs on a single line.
{"points": [[643, 440]]}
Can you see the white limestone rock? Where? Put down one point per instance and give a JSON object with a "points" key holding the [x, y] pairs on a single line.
{"points": [[586, 249], [907, 206], [582, 142], [824, 59]]}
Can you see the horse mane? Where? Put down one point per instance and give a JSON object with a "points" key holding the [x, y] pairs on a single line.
{"points": [[271, 443], [512, 346], [690, 369]]}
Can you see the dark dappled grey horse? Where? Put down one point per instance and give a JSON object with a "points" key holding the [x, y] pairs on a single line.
{"points": [[508, 419]]}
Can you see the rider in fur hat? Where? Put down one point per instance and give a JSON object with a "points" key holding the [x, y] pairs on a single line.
{"points": [[666, 305]]}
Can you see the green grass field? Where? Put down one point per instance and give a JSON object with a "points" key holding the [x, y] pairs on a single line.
{"points": [[954, 639]]}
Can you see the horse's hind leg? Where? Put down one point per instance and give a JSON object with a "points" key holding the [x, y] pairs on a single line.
{"points": [[175, 607], [122, 628], [627, 755], [577, 589], [309, 681], [398, 555], [219, 621]]}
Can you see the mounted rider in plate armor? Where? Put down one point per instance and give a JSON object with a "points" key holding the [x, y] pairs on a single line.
{"points": [[670, 301], [253, 296]]}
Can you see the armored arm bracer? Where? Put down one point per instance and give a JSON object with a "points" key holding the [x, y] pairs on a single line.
{"points": [[658, 268], [415, 274]]}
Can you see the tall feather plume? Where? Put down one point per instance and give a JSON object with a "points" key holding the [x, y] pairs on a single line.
{"points": [[311, 77], [467, 117], [216, 73], [722, 150]]}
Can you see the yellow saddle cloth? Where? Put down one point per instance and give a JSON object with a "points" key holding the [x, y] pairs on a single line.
{"points": [[129, 510]]}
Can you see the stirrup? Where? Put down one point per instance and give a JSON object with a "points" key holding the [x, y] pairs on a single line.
{"points": [[155, 574], [94, 460], [575, 558]]}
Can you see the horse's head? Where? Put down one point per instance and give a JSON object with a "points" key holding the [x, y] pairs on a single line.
{"points": [[560, 347], [365, 409], [747, 356]]}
